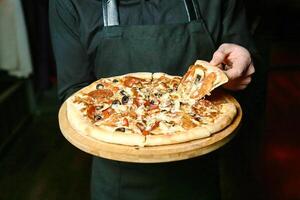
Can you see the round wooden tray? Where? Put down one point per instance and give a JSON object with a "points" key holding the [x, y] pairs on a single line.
{"points": [[155, 154]]}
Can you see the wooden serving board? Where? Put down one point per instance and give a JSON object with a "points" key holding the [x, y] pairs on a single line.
{"points": [[155, 154]]}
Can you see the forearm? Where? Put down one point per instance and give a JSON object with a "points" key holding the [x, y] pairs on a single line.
{"points": [[74, 69]]}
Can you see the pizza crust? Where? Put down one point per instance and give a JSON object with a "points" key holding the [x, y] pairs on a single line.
{"points": [[157, 75], [84, 127], [228, 112], [179, 137], [143, 75]]}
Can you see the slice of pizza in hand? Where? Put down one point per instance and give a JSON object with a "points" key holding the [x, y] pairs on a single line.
{"points": [[200, 79]]}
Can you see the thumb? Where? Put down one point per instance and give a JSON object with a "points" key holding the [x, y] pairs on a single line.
{"points": [[218, 58]]}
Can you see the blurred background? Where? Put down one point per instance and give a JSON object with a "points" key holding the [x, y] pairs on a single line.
{"points": [[37, 163]]}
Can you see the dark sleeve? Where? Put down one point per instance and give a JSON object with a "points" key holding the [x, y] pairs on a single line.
{"points": [[235, 30], [234, 25], [74, 69]]}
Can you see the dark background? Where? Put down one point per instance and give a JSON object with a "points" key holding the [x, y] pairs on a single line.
{"points": [[36, 162]]}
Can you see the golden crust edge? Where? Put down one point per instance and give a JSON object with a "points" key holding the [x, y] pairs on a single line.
{"points": [[85, 128], [175, 138], [229, 112], [157, 75]]}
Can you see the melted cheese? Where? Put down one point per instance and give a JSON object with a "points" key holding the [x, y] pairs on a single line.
{"points": [[119, 108], [140, 111], [176, 106]]}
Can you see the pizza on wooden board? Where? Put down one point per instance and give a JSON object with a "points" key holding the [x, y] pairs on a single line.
{"points": [[152, 109]]}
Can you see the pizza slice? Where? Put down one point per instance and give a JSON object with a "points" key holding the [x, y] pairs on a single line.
{"points": [[200, 79], [112, 105]]}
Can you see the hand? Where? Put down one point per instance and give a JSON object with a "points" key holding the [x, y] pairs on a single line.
{"points": [[237, 63]]}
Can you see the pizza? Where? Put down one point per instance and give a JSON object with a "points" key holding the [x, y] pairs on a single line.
{"points": [[152, 109]]}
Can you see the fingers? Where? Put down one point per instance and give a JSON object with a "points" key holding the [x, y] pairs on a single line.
{"points": [[245, 81], [234, 73], [250, 70], [235, 87], [238, 84], [238, 65], [240, 70], [220, 55], [218, 58], [240, 87]]}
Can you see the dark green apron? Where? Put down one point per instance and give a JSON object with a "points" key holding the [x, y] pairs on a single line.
{"points": [[169, 48]]}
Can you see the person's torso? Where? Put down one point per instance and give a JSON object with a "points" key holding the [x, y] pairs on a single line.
{"points": [[151, 36], [149, 32]]}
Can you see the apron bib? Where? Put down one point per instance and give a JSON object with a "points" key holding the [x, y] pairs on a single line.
{"points": [[169, 48]]}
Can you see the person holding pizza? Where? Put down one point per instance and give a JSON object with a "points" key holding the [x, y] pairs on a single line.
{"points": [[102, 38]]}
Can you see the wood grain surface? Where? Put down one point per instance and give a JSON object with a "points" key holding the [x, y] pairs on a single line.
{"points": [[155, 154]]}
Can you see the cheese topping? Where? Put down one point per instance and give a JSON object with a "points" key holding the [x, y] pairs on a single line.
{"points": [[135, 105]]}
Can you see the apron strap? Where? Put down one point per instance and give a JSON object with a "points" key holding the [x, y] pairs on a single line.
{"points": [[110, 13], [192, 9]]}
